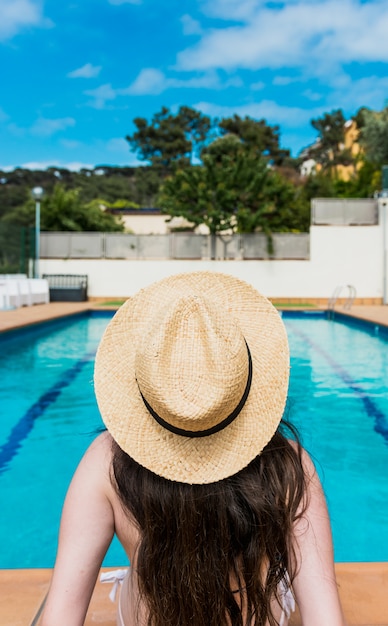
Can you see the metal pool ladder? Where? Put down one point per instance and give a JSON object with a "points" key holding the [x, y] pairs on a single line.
{"points": [[351, 294]]}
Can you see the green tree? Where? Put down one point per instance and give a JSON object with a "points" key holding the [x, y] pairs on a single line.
{"points": [[170, 139], [199, 194], [110, 183], [374, 135], [62, 210], [329, 148], [15, 186], [122, 204], [11, 196], [358, 117], [365, 182], [257, 135], [316, 185], [103, 182], [147, 185], [234, 189]]}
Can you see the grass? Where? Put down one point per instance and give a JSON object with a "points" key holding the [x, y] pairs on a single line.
{"points": [[293, 305], [112, 303]]}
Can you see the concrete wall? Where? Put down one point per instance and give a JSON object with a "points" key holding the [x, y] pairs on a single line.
{"points": [[339, 255]]}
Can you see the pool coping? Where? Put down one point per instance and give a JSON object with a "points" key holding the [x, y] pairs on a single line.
{"points": [[26, 316], [362, 585]]}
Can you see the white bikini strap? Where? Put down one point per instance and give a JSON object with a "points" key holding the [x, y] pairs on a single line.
{"points": [[115, 577]]}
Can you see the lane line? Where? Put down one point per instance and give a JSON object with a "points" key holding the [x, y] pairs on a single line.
{"points": [[379, 418], [23, 427]]}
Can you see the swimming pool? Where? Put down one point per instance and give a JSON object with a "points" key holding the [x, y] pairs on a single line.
{"points": [[338, 399]]}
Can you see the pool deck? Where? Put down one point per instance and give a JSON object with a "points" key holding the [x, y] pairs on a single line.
{"points": [[363, 586]]}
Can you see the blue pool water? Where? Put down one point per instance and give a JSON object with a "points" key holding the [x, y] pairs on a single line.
{"points": [[338, 399]]}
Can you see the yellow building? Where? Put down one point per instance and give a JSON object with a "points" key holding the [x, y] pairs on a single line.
{"points": [[344, 172], [351, 134]]}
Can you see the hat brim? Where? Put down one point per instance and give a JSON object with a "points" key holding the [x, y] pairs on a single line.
{"points": [[175, 457]]}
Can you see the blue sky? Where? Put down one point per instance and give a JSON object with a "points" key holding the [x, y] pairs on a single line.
{"points": [[75, 74]]}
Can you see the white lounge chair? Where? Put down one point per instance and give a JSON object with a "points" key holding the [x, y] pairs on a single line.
{"points": [[12, 288], [25, 292], [39, 291], [4, 298]]}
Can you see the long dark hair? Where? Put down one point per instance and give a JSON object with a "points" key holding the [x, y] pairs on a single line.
{"points": [[214, 555]]}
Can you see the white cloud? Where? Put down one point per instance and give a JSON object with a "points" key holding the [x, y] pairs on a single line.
{"points": [[71, 144], [257, 86], [117, 144], [351, 93], [283, 80], [149, 81], [267, 109], [312, 95], [44, 127], [313, 36], [74, 166], [86, 71], [152, 81], [19, 14], [101, 96], [190, 26]]}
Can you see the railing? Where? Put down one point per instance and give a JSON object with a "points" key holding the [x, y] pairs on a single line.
{"points": [[351, 294], [70, 245], [344, 211], [67, 287]]}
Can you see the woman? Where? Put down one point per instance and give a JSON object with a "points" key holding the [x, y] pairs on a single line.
{"points": [[222, 517]]}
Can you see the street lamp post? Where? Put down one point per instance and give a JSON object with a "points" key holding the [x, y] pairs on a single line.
{"points": [[37, 194]]}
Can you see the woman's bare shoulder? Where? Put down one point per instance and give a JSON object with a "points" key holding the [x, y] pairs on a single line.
{"points": [[101, 444], [307, 462], [97, 459]]}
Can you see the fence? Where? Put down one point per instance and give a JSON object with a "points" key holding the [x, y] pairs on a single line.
{"points": [[17, 246], [69, 245], [344, 211]]}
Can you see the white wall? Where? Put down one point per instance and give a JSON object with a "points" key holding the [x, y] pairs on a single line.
{"points": [[383, 220], [338, 255], [146, 224]]}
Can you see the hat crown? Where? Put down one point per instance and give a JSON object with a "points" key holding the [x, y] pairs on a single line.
{"points": [[191, 376], [192, 365]]}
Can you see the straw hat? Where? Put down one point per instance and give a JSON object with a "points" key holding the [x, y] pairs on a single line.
{"points": [[191, 376]]}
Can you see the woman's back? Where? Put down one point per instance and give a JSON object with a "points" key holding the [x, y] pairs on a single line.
{"points": [[214, 554]]}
